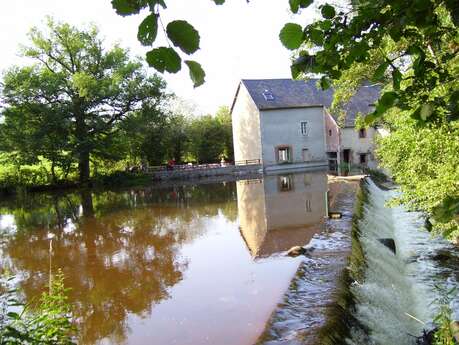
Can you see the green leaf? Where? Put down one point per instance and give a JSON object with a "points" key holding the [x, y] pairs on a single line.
{"points": [[426, 111], [325, 83], [153, 3], [328, 11], [13, 315], [379, 73], [326, 24], [371, 118], [183, 35], [388, 99], [148, 30], [128, 7], [219, 2], [305, 3], [294, 5], [317, 36], [295, 71], [291, 36], [197, 74], [164, 59], [396, 78]]}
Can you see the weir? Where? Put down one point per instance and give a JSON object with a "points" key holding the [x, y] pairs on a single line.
{"points": [[387, 293], [398, 297]]}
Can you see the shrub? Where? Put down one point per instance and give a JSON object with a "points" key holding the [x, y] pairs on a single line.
{"points": [[48, 323]]}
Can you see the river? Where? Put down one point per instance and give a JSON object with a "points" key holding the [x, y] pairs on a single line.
{"points": [[188, 265]]}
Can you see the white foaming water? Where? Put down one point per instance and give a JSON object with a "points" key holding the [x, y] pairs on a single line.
{"points": [[398, 288]]}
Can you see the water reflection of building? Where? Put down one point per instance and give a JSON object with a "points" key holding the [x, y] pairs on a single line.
{"points": [[281, 211]]}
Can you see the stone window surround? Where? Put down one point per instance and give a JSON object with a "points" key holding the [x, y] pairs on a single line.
{"points": [[280, 147]]}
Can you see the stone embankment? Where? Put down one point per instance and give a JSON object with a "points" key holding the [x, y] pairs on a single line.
{"points": [[228, 171]]}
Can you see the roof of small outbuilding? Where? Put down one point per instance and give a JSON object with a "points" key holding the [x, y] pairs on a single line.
{"points": [[289, 93]]}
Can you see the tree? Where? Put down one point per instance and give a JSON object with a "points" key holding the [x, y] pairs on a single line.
{"points": [[144, 135], [411, 48], [414, 44], [70, 103], [206, 143], [178, 136], [223, 117]]}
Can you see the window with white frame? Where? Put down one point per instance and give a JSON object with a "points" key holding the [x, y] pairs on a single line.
{"points": [[283, 154], [304, 128]]}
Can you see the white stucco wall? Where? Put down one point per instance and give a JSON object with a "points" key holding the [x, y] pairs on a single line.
{"points": [[246, 127], [283, 127], [350, 140]]}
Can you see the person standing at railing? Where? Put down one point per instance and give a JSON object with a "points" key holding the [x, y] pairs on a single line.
{"points": [[170, 164]]}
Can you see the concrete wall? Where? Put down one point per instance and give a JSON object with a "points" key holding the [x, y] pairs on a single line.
{"points": [[281, 127], [206, 172], [246, 127], [350, 140]]}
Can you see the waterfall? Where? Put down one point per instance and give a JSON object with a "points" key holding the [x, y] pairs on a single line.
{"points": [[396, 299]]}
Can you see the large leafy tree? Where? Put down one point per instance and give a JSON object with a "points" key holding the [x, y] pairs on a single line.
{"points": [[68, 105]]}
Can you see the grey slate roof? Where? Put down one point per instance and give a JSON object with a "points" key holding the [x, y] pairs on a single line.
{"points": [[290, 93]]}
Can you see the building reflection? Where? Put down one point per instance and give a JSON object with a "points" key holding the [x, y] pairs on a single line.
{"points": [[281, 211]]}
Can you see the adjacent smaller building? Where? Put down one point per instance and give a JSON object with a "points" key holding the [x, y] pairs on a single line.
{"points": [[286, 124]]}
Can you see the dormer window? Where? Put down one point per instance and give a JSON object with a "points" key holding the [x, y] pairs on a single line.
{"points": [[268, 95]]}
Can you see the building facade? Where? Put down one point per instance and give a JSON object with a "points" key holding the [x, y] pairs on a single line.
{"points": [[286, 124]]}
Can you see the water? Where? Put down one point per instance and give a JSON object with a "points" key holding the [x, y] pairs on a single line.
{"points": [[178, 265], [398, 297], [304, 308]]}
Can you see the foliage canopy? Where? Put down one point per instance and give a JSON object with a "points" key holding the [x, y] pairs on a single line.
{"points": [[67, 107]]}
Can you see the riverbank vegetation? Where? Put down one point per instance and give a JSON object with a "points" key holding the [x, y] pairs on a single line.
{"points": [[47, 322], [80, 112], [410, 48]]}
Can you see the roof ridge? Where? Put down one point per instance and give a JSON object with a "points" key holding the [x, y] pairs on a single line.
{"points": [[271, 79]]}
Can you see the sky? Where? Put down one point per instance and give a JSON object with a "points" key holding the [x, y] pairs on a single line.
{"points": [[239, 40]]}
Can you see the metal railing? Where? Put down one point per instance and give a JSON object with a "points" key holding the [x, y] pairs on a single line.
{"points": [[248, 162], [192, 167]]}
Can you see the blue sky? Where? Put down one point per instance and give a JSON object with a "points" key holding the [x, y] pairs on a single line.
{"points": [[238, 40]]}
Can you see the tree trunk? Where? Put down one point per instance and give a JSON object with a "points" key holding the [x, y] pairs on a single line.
{"points": [[81, 133], [87, 204], [83, 167], [53, 172]]}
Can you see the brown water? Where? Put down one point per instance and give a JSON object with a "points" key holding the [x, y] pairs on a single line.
{"points": [[181, 265]]}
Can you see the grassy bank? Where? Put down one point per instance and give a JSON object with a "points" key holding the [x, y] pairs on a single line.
{"points": [[12, 186]]}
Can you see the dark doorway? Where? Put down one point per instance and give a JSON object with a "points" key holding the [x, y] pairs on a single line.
{"points": [[347, 156]]}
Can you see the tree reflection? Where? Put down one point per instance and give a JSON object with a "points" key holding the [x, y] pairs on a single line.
{"points": [[118, 250]]}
